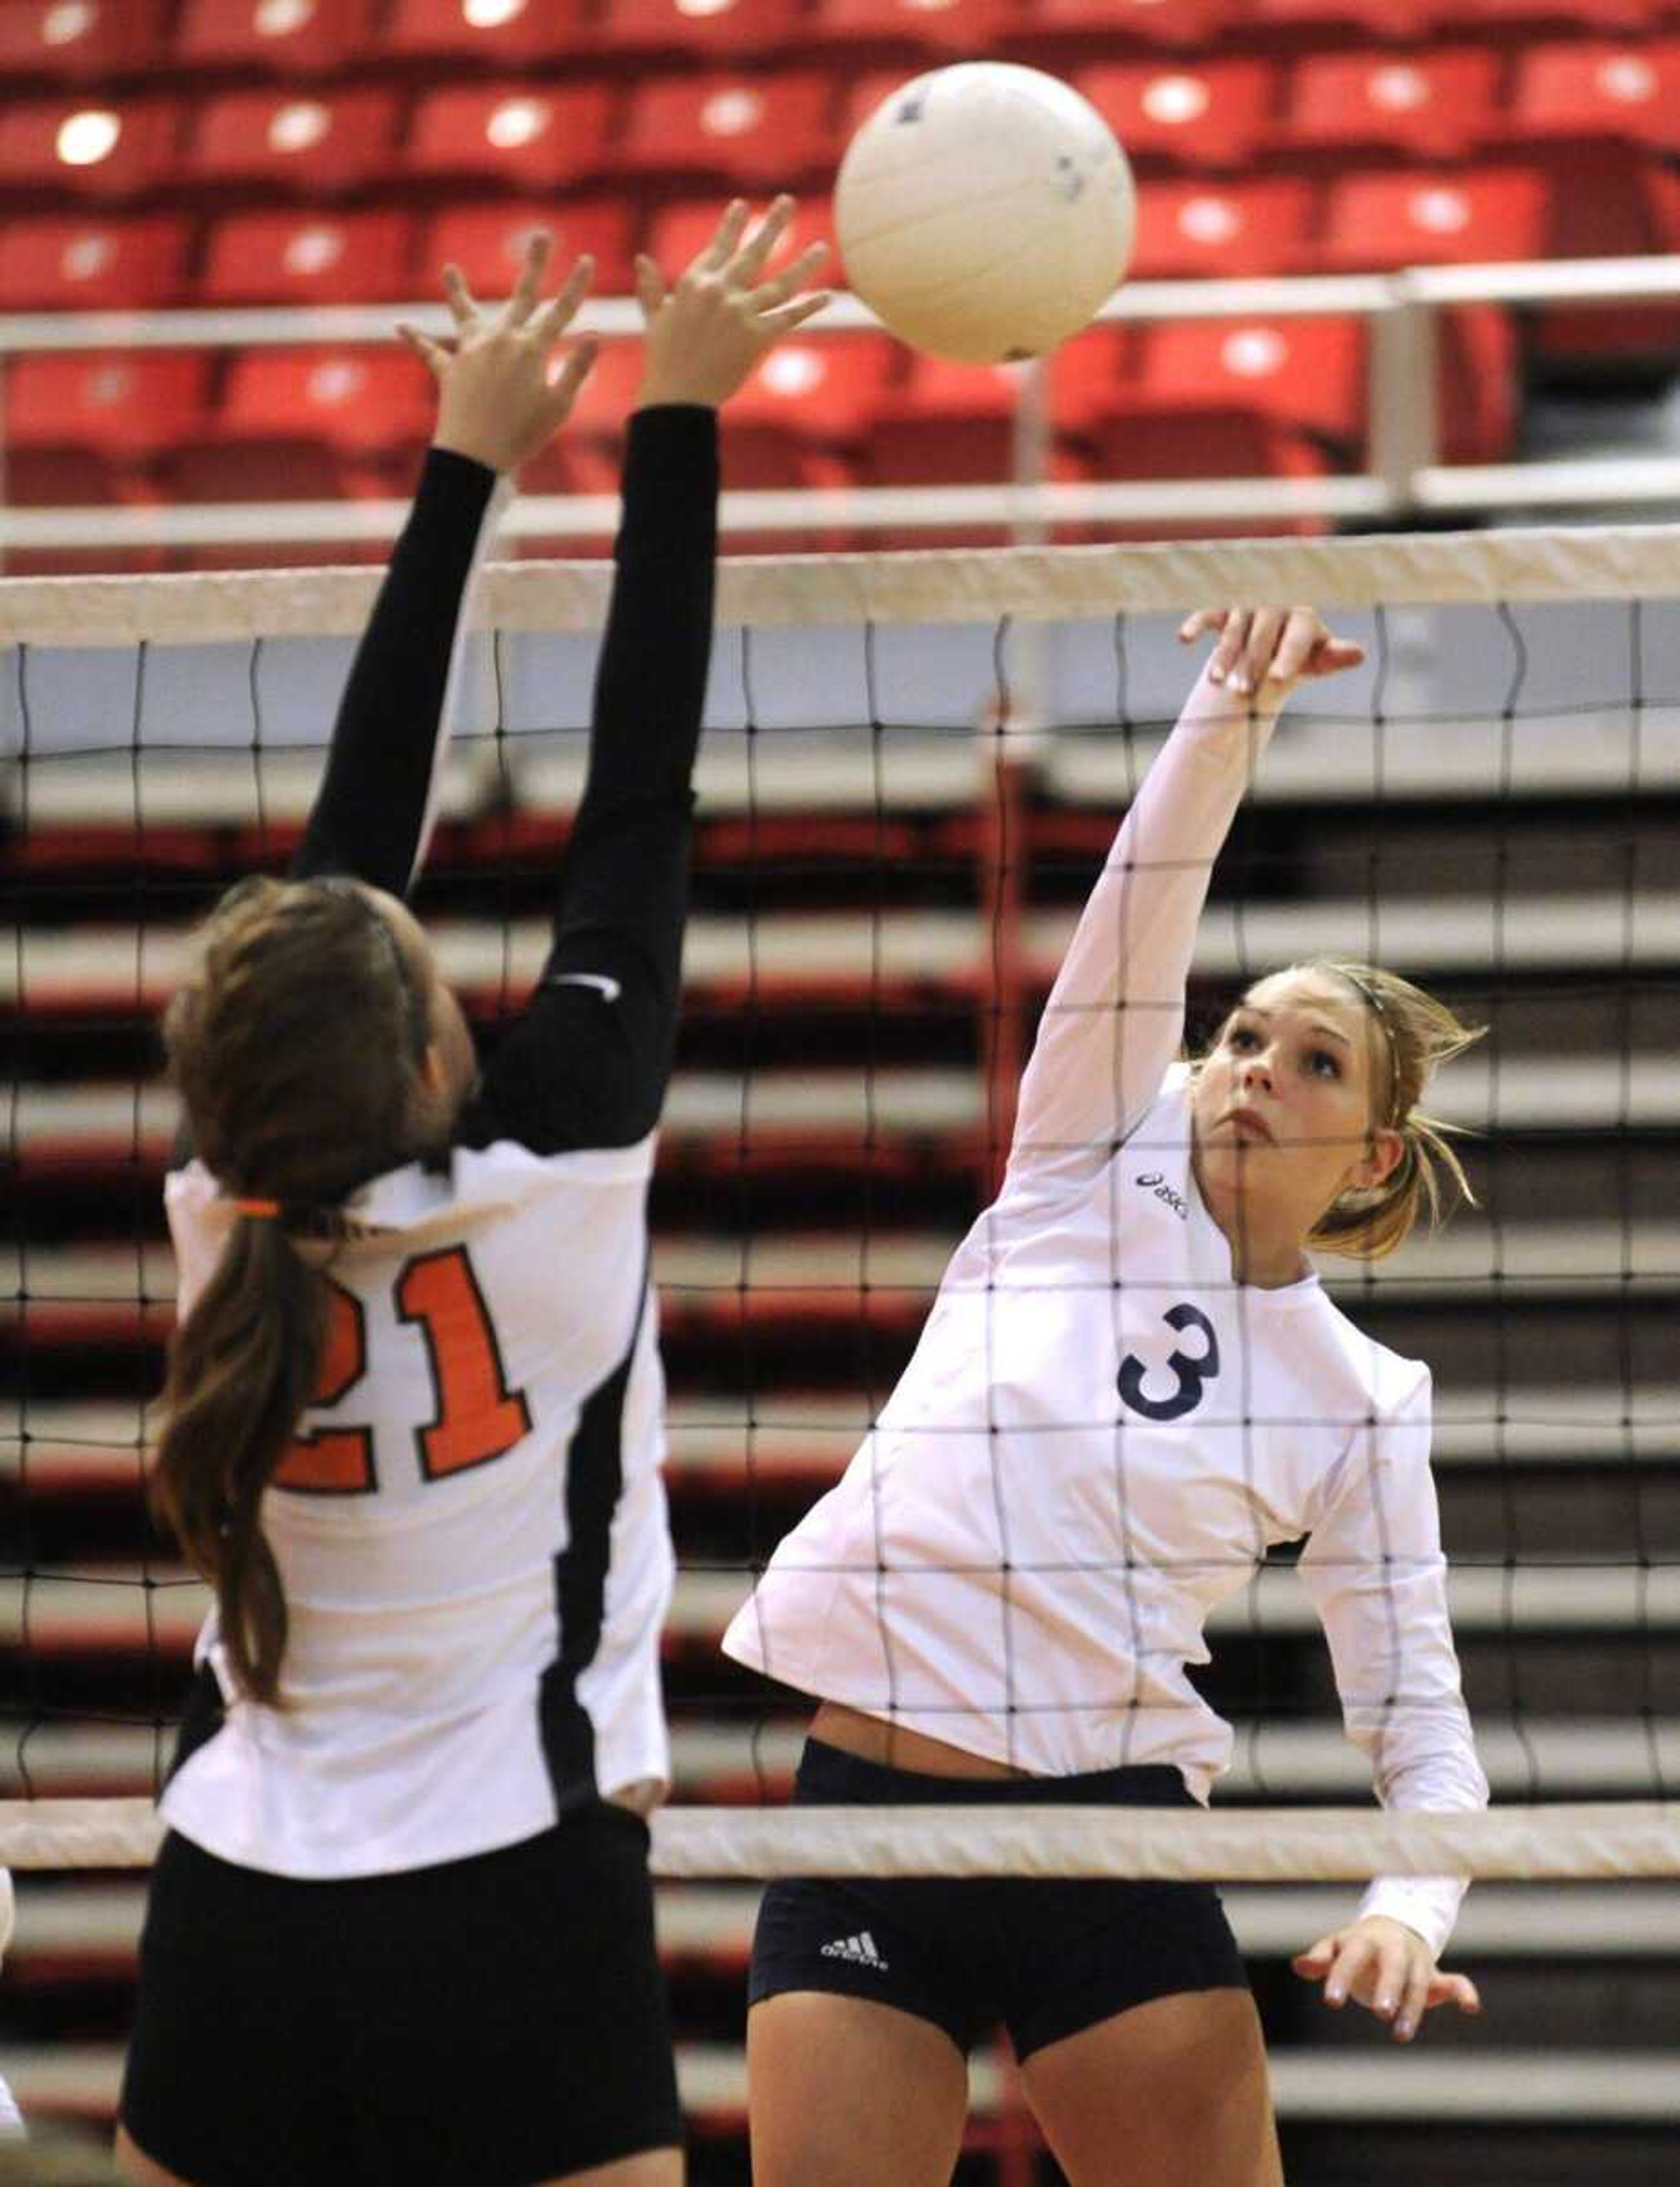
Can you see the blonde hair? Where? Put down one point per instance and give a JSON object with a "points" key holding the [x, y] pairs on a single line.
{"points": [[1413, 1035]]}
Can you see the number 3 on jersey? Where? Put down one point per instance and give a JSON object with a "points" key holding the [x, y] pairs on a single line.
{"points": [[475, 1417], [1193, 1375]]}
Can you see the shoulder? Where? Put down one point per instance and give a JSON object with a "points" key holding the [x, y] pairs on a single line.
{"points": [[1396, 1389]]}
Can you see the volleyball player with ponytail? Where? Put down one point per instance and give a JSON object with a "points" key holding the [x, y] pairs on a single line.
{"points": [[1130, 1386], [401, 1929]]}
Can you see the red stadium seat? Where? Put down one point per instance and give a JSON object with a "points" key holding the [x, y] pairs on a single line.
{"points": [[1608, 15], [82, 40], [1590, 89], [803, 418], [1381, 18], [682, 231], [86, 263], [947, 424], [504, 35], [310, 424], [756, 132], [1377, 221], [80, 429], [95, 147], [727, 29], [308, 258], [1223, 230], [76, 423], [530, 137], [1312, 376], [955, 30], [298, 140], [1148, 22], [827, 391], [1211, 114], [1432, 106], [487, 243], [362, 403], [310, 36]]}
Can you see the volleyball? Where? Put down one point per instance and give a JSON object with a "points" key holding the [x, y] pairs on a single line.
{"points": [[984, 213]]}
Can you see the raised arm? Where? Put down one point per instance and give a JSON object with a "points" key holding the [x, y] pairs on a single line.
{"points": [[1116, 1014], [373, 815], [1376, 1576], [588, 1064]]}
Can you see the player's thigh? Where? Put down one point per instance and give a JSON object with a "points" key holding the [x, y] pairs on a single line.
{"points": [[133, 2163], [1178, 2084], [841, 2089], [652, 2168]]}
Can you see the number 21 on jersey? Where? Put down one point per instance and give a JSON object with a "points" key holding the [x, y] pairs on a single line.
{"points": [[475, 1417]]}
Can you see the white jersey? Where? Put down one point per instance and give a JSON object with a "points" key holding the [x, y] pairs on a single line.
{"points": [[472, 1536], [1101, 1431]]}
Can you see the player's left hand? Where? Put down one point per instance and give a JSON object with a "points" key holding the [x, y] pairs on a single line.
{"points": [[1276, 647], [497, 402], [1385, 1965]]}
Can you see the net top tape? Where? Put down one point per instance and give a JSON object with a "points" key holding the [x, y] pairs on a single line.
{"points": [[1054, 584], [1529, 1844]]}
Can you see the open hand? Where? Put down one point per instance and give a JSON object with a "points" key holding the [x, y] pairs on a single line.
{"points": [[497, 402], [1274, 646], [1385, 1965], [705, 335]]}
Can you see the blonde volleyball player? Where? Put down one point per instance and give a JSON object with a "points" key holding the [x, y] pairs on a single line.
{"points": [[400, 1928], [1130, 1386]]}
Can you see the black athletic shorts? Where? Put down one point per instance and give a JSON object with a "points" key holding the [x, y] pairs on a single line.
{"points": [[490, 2023], [1044, 1959]]}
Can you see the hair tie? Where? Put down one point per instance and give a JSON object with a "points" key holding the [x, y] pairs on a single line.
{"points": [[260, 1211]]}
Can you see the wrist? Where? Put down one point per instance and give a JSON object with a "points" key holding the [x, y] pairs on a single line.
{"points": [[470, 449]]}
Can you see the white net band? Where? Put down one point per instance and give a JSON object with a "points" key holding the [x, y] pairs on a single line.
{"points": [[1324, 1845], [827, 591]]}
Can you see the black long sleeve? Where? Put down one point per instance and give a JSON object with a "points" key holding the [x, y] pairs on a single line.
{"points": [[588, 1063], [369, 814]]}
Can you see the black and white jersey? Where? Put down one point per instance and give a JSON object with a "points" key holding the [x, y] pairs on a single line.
{"points": [[470, 1525], [1102, 1432]]}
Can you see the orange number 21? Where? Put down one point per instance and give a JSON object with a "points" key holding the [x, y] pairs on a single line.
{"points": [[475, 1417]]}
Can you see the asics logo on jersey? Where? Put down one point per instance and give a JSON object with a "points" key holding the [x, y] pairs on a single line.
{"points": [[1153, 1181], [602, 982], [860, 1950]]}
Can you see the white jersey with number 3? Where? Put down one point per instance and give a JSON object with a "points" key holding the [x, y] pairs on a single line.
{"points": [[471, 1533], [1101, 1431]]}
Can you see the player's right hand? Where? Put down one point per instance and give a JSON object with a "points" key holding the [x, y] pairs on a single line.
{"points": [[705, 333], [496, 400], [1276, 647]]}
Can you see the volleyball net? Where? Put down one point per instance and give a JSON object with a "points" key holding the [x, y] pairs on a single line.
{"points": [[913, 769]]}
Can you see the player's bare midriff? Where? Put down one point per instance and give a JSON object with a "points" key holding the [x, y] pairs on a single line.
{"points": [[892, 1745]]}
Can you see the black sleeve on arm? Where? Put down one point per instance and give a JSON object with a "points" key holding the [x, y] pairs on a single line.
{"points": [[371, 807], [588, 1064]]}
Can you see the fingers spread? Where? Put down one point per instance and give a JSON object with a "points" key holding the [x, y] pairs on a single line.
{"points": [[1204, 619], [556, 315], [431, 353], [795, 314], [724, 244], [793, 276], [458, 296], [751, 260], [649, 286], [1356, 1958], [1303, 633], [1231, 639], [522, 303]]}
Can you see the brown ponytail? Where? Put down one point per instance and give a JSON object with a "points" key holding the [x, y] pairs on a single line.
{"points": [[296, 1046]]}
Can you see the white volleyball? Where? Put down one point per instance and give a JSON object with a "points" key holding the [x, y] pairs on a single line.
{"points": [[985, 211]]}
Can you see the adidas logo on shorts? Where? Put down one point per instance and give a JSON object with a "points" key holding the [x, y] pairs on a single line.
{"points": [[859, 1949]]}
